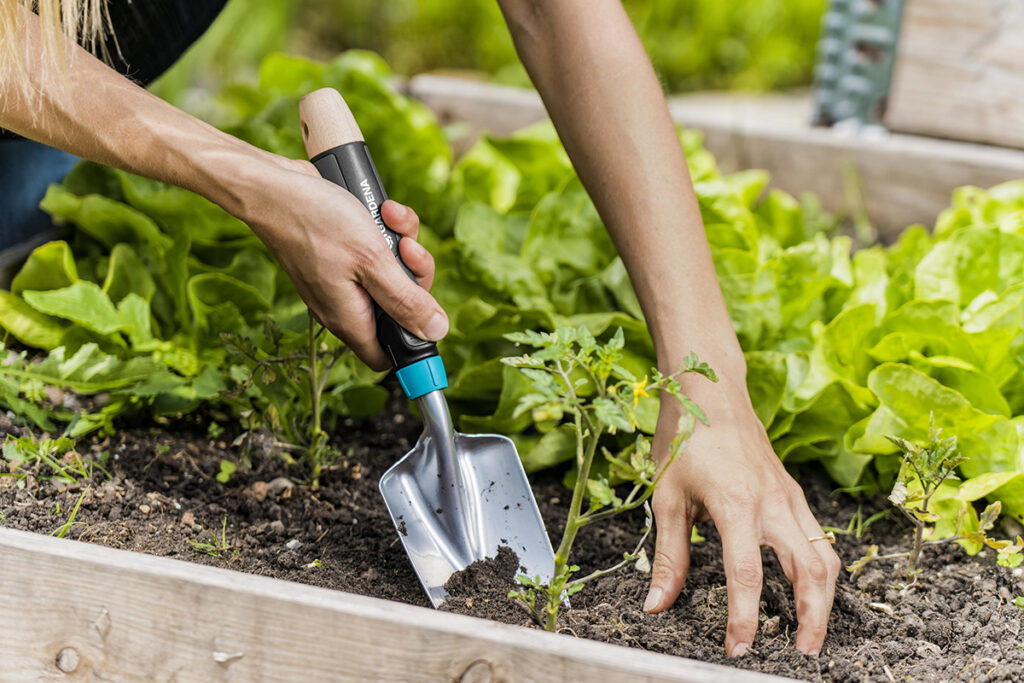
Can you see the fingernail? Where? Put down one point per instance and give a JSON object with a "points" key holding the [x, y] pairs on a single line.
{"points": [[739, 649], [653, 600], [436, 327]]}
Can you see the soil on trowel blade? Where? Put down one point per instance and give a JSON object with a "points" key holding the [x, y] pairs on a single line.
{"points": [[487, 582], [958, 621]]}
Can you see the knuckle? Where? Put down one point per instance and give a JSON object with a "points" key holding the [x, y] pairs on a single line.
{"points": [[412, 217], [367, 257], [666, 508], [664, 564], [406, 302], [777, 497], [816, 571], [747, 574], [740, 501]]}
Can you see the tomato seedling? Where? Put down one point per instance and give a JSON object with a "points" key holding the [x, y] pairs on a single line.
{"points": [[577, 379]]}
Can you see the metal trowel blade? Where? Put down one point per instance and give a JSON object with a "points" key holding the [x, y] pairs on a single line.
{"points": [[456, 498]]}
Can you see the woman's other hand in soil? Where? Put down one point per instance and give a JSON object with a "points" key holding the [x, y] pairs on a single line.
{"points": [[730, 474], [333, 251]]}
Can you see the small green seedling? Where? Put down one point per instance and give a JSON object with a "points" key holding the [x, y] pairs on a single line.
{"points": [[227, 470], [858, 525], [214, 430], [578, 379], [216, 545], [923, 470], [1019, 601], [62, 530], [48, 458]]}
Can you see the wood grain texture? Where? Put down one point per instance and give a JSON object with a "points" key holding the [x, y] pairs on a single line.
{"points": [[72, 611], [326, 121], [902, 179], [959, 71]]}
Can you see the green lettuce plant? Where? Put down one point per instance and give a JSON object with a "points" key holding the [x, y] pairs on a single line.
{"points": [[576, 379]]}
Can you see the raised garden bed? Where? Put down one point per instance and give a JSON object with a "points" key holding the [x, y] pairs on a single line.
{"points": [[91, 612], [135, 616]]}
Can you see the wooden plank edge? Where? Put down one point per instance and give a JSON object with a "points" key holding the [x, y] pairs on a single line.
{"points": [[116, 614], [901, 179]]}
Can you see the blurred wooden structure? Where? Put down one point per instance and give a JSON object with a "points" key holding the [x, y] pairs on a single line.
{"points": [[896, 179], [959, 71]]}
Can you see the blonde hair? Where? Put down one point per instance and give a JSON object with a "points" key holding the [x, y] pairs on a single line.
{"points": [[86, 22]]}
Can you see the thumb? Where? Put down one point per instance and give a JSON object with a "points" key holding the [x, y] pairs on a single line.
{"points": [[410, 305], [671, 559]]}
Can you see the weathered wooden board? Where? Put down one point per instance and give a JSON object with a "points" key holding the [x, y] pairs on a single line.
{"points": [[902, 179], [959, 71], [77, 612]]}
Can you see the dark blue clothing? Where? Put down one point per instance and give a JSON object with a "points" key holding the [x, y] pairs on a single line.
{"points": [[151, 36], [26, 169]]}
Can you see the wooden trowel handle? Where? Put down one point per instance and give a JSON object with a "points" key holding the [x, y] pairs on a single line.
{"points": [[335, 145]]}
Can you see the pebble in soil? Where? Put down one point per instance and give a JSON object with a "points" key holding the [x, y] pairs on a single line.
{"points": [[957, 623]]}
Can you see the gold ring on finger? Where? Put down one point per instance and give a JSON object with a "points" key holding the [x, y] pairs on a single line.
{"points": [[828, 536]]}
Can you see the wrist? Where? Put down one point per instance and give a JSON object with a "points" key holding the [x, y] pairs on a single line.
{"points": [[726, 359], [728, 363], [241, 180]]}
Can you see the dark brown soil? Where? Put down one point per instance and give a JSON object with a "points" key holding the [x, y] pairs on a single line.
{"points": [[957, 623]]}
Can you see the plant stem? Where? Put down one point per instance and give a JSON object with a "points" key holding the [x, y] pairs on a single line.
{"points": [[314, 394], [314, 383], [572, 525], [915, 553]]}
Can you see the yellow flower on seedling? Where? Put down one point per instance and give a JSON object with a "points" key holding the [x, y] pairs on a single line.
{"points": [[639, 389]]}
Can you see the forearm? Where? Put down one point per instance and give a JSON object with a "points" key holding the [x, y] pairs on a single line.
{"points": [[598, 85], [97, 114]]}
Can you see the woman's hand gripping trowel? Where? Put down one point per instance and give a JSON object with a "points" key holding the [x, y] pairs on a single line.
{"points": [[454, 498]]}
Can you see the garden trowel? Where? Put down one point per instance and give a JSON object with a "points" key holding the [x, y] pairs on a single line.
{"points": [[454, 498]]}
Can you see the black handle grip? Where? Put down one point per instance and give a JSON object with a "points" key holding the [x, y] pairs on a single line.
{"points": [[351, 167]]}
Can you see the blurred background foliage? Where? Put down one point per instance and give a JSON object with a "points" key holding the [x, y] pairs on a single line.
{"points": [[694, 44]]}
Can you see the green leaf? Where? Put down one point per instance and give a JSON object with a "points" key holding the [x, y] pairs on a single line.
{"points": [[601, 493], [82, 302], [107, 221], [611, 414], [28, 325], [227, 470], [1009, 560], [968, 263], [51, 266], [541, 451], [126, 275]]}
